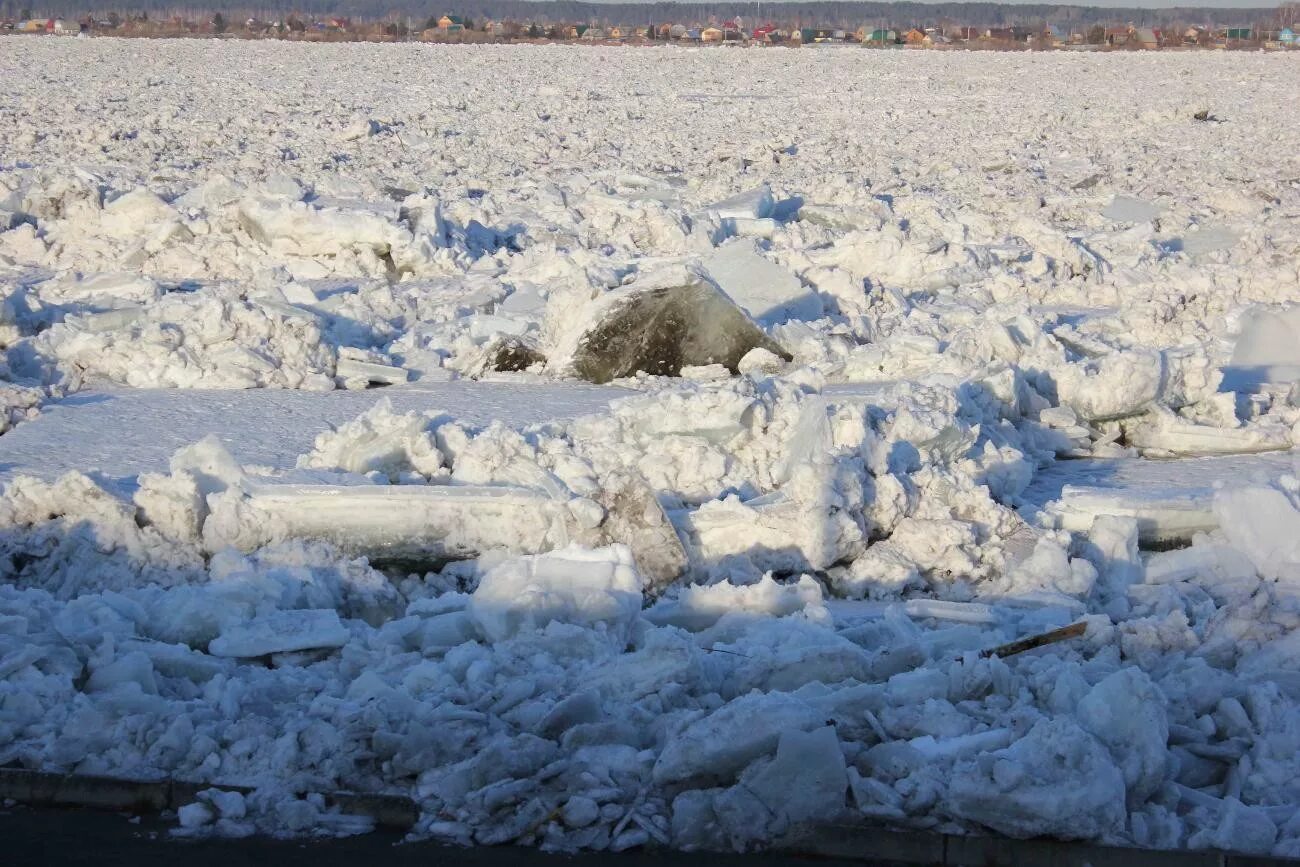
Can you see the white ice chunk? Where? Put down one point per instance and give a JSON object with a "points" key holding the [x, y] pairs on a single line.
{"points": [[579, 812], [110, 320], [379, 440], [596, 588], [133, 668], [751, 204], [325, 228], [1162, 514], [765, 290], [378, 374], [432, 522], [1127, 209], [1267, 349], [1209, 239], [1240, 828], [961, 746], [1225, 572], [805, 781], [195, 815], [1113, 386], [775, 533], [1163, 433], [961, 612], [1126, 712], [698, 607], [716, 747], [1058, 780], [231, 805], [748, 227], [1112, 547], [1264, 523], [101, 291], [279, 632]]}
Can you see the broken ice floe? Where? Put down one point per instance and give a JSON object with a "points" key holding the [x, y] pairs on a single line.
{"points": [[1161, 433], [1128, 209], [1162, 516], [1171, 501], [412, 522], [434, 524]]}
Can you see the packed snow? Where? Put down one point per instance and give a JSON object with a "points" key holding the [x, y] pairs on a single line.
{"points": [[611, 448]]}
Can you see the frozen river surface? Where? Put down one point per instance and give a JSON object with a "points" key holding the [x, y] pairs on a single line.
{"points": [[917, 354]]}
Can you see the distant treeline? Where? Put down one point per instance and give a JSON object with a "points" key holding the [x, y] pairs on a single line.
{"points": [[846, 14]]}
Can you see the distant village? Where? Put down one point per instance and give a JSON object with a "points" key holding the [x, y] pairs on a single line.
{"points": [[1279, 34]]}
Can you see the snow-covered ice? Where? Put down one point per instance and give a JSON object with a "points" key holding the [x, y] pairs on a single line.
{"points": [[1170, 500], [121, 433], [603, 458]]}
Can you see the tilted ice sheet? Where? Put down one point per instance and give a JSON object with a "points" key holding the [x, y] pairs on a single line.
{"points": [[1194, 477], [1171, 500]]}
